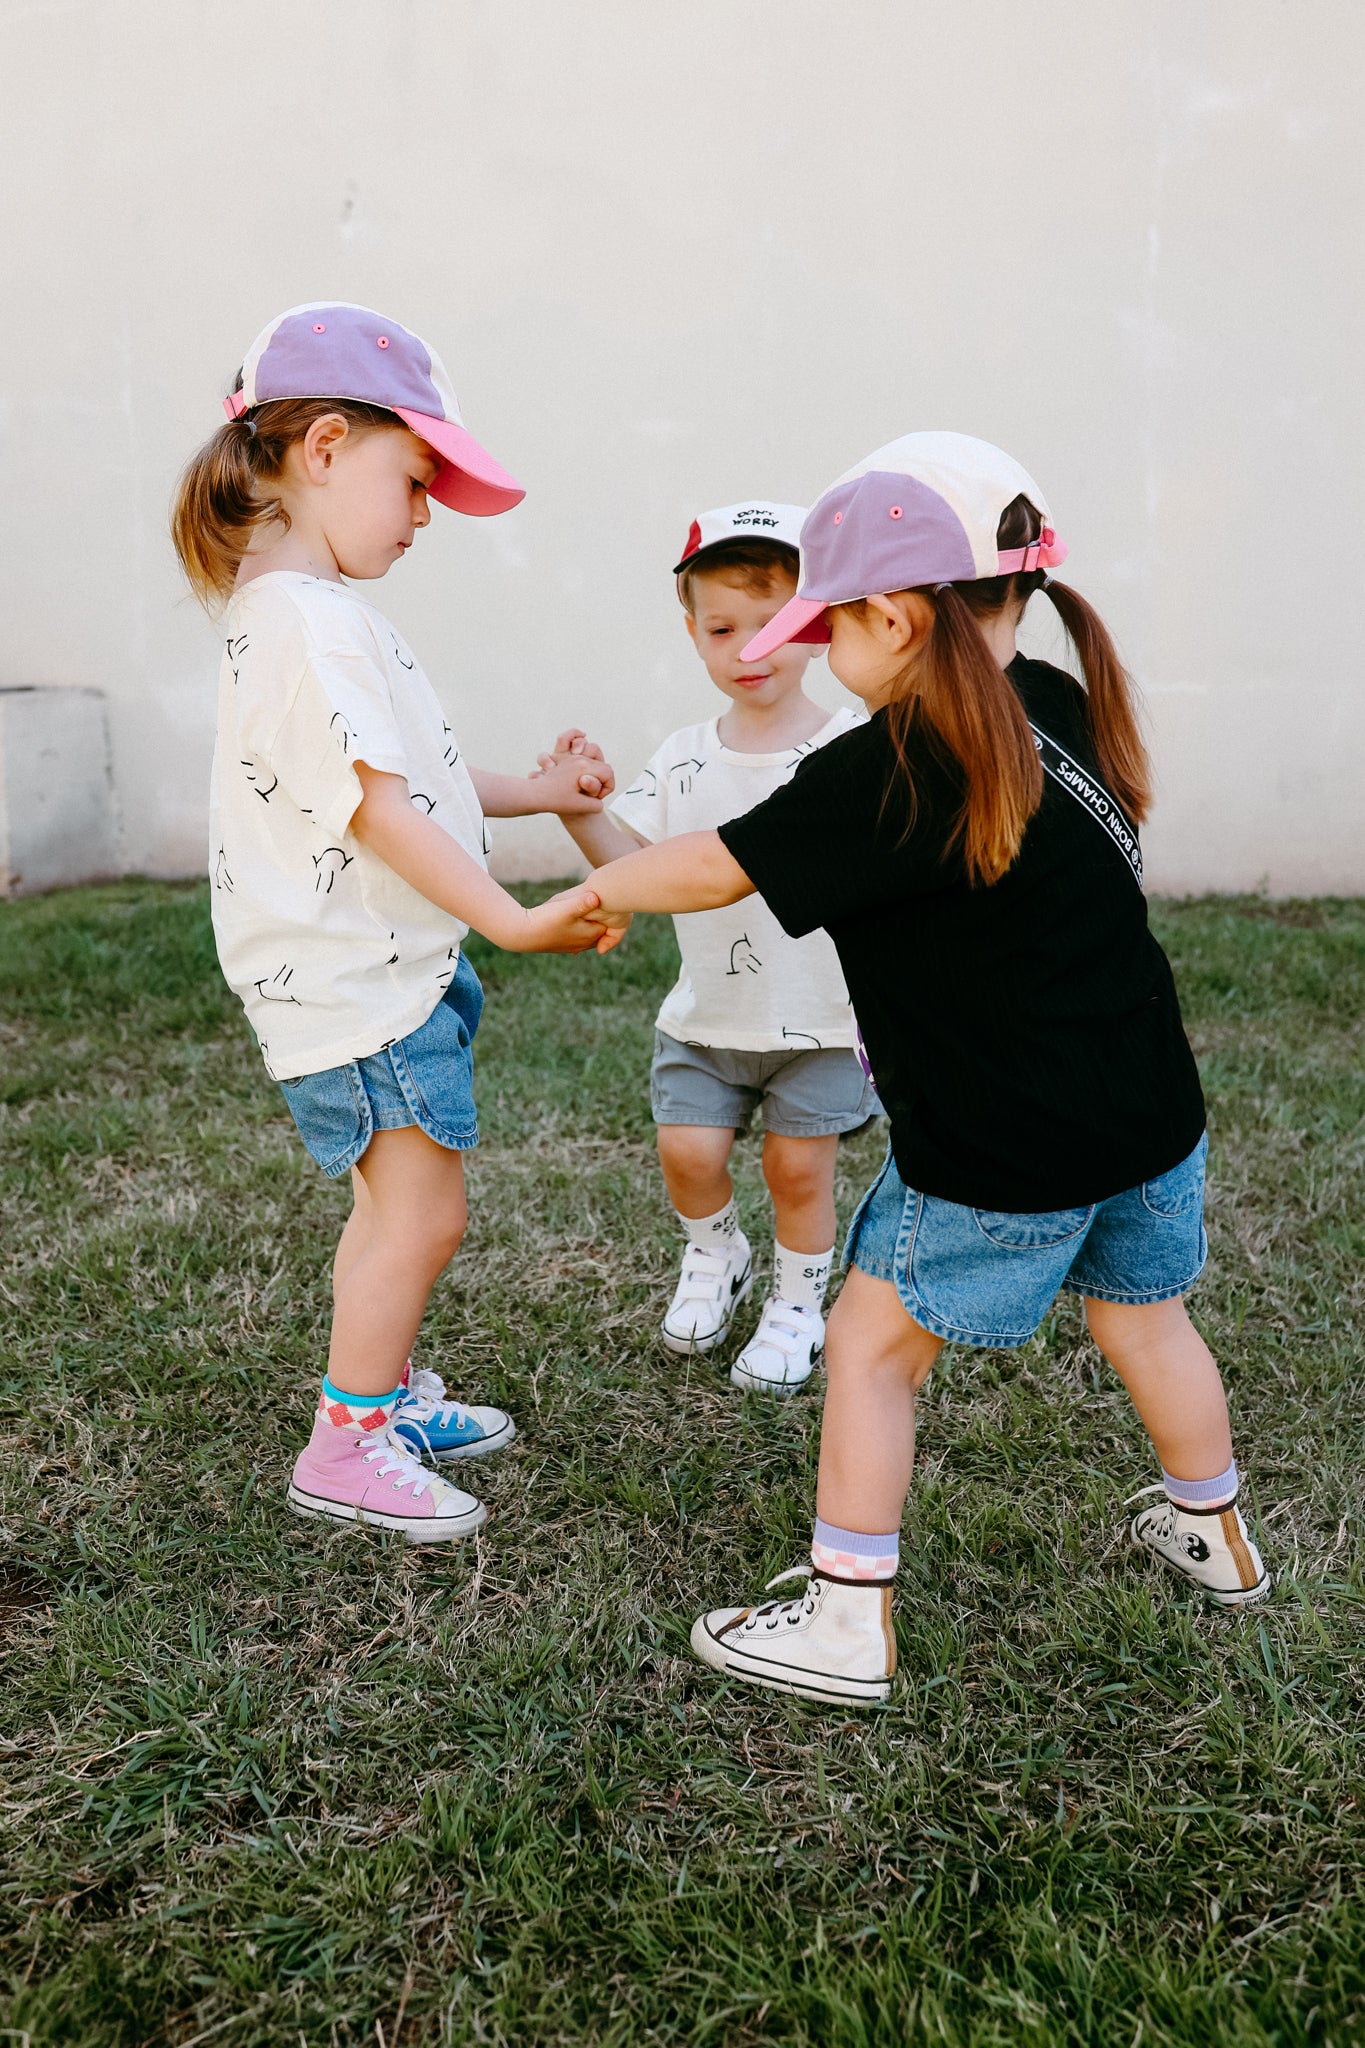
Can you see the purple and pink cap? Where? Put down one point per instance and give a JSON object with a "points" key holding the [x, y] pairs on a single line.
{"points": [[333, 350], [924, 509]]}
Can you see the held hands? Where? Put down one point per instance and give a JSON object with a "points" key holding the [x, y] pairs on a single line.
{"points": [[571, 788], [572, 922]]}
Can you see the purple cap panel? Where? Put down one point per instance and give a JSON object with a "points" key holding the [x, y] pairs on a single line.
{"points": [[347, 352], [881, 532]]}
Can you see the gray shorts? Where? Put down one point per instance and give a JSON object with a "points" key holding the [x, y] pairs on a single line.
{"points": [[819, 1093]]}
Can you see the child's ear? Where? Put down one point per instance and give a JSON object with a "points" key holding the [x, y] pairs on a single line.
{"points": [[322, 441], [692, 628]]}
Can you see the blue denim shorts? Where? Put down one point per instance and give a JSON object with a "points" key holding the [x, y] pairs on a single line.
{"points": [[425, 1079], [986, 1277]]}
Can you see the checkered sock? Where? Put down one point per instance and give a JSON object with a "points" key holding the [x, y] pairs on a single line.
{"points": [[849, 1555], [356, 1411], [1217, 1492]]}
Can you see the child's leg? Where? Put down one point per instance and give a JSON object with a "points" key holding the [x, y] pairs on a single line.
{"points": [[356, 1232], [716, 1268], [877, 1358], [800, 1177], [695, 1161], [406, 1226], [780, 1356], [836, 1641], [1175, 1385]]}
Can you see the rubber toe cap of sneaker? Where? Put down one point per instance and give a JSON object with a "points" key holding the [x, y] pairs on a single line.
{"points": [[706, 1635], [498, 1429], [783, 1380]]}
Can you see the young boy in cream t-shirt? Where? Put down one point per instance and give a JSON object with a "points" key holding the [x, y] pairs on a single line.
{"points": [[754, 1017]]}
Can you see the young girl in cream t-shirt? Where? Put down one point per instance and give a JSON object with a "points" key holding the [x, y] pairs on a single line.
{"points": [[348, 860]]}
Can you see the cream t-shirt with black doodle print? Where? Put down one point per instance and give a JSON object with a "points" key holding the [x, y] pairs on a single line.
{"points": [[332, 954], [744, 983]]}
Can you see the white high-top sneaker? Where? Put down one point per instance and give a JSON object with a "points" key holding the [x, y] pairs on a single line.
{"points": [[781, 1355], [1209, 1546], [710, 1288], [834, 1642]]}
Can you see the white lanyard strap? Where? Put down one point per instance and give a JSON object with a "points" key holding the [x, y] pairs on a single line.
{"points": [[1093, 795]]}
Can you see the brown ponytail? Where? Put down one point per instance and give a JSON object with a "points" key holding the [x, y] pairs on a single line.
{"points": [[224, 495], [959, 701], [1109, 703], [962, 699]]}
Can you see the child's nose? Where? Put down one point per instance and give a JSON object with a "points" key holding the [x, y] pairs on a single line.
{"points": [[421, 511]]}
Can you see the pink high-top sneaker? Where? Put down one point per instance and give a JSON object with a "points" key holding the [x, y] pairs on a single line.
{"points": [[359, 1475]]}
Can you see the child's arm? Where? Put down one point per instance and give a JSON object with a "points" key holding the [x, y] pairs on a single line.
{"points": [[692, 872], [598, 838], [434, 864], [568, 787]]}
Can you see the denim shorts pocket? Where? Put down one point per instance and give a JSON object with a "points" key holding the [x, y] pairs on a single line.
{"points": [[1018, 1233], [464, 998], [332, 1114], [435, 1069], [1181, 1189], [971, 1286]]}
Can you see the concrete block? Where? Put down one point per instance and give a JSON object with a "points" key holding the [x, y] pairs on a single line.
{"points": [[57, 821]]}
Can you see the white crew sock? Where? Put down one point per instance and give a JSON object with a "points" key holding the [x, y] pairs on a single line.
{"points": [[802, 1277], [713, 1233]]}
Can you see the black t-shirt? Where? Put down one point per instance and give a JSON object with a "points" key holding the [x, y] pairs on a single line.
{"points": [[1025, 1037]]}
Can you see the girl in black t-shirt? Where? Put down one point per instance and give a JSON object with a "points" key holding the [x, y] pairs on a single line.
{"points": [[972, 851]]}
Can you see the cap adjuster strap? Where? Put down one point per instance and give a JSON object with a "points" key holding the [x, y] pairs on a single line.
{"points": [[1044, 553], [234, 405]]}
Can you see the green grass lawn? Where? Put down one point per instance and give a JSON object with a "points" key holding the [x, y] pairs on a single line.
{"points": [[267, 1781]]}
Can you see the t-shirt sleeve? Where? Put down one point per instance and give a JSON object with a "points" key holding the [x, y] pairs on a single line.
{"points": [[338, 711], [823, 847], [643, 808]]}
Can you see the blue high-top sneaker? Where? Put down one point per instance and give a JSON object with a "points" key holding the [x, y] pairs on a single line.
{"points": [[428, 1421]]}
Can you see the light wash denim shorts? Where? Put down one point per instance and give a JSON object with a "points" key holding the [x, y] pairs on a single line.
{"points": [[819, 1092], [987, 1277], [425, 1079]]}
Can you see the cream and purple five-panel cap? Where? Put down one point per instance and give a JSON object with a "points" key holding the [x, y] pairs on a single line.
{"points": [[340, 351], [924, 509]]}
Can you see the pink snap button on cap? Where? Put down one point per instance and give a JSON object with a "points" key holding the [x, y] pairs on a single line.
{"points": [[318, 327], [383, 341], [896, 512], [838, 517]]}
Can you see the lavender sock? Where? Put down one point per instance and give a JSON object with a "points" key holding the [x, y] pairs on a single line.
{"points": [[849, 1554], [1202, 1493]]}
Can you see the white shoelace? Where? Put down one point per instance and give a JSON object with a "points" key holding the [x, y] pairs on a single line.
{"points": [[427, 1392], [388, 1453], [773, 1613]]}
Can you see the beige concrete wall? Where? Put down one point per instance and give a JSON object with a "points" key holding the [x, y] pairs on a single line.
{"points": [[676, 256]]}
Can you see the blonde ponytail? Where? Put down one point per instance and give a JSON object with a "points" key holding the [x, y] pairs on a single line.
{"points": [[224, 495]]}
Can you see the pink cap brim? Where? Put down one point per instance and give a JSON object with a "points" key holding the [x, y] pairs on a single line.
{"points": [[801, 618], [468, 480]]}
